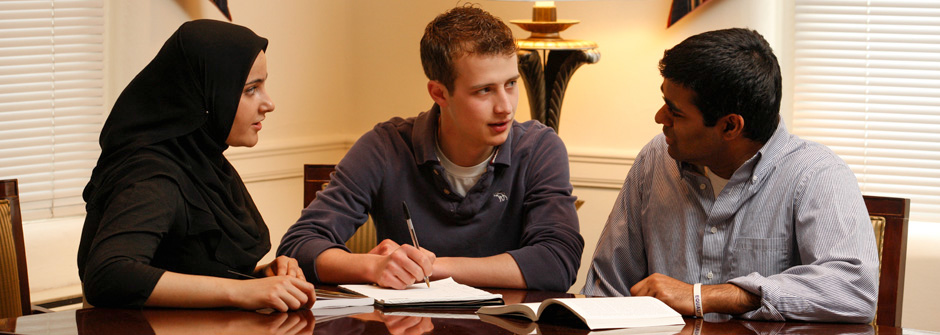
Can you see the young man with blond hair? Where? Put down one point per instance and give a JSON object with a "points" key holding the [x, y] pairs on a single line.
{"points": [[490, 198]]}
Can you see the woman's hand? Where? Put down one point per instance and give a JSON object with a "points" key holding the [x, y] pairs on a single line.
{"points": [[282, 293], [281, 266]]}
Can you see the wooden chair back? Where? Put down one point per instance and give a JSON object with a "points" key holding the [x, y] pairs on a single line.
{"points": [[14, 282], [316, 178], [889, 218]]}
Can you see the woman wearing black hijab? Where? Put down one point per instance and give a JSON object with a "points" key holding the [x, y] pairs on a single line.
{"points": [[170, 223]]}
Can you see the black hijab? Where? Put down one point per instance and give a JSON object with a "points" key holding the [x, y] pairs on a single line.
{"points": [[172, 120]]}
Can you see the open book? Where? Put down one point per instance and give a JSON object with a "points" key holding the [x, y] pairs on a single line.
{"points": [[442, 293], [595, 313]]}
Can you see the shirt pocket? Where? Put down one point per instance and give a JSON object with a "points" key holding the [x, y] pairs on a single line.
{"points": [[767, 256]]}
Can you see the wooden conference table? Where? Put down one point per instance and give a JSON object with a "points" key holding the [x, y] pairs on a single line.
{"points": [[378, 321]]}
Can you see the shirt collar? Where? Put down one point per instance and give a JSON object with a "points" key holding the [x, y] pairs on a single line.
{"points": [[772, 151], [762, 162], [424, 138]]}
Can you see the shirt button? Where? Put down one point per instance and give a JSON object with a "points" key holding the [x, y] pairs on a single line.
{"points": [[710, 275], [701, 186], [446, 191], [714, 230], [754, 179]]}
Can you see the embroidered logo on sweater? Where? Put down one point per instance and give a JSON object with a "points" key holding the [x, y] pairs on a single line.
{"points": [[501, 196]]}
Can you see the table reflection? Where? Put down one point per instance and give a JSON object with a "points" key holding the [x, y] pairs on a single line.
{"points": [[408, 323], [760, 327], [734, 326], [366, 320], [201, 322]]}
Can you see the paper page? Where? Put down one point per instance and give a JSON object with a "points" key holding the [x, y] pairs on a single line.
{"points": [[619, 312], [619, 308], [324, 302], [652, 330], [534, 306], [432, 314], [440, 291], [527, 310]]}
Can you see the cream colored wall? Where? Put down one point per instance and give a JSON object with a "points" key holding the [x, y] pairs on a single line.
{"points": [[339, 67], [308, 53]]}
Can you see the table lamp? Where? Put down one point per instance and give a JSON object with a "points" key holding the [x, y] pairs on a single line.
{"points": [[547, 61]]}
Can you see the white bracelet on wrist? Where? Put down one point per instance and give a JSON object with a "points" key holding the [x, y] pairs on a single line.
{"points": [[697, 299]]}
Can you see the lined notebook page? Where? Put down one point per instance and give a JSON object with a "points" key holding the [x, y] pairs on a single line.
{"points": [[444, 290]]}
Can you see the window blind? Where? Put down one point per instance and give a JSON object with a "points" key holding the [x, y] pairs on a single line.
{"points": [[867, 84], [51, 101]]}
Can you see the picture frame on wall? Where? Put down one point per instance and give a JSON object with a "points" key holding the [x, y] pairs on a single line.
{"points": [[680, 8]]}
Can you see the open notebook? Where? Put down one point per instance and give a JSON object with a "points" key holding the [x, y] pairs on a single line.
{"points": [[442, 293]]}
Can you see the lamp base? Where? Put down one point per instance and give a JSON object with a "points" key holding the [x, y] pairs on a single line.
{"points": [[546, 84], [554, 44], [545, 35], [544, 27], [546, 81]]}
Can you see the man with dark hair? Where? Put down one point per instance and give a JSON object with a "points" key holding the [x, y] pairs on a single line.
{"points": [[726, 212], [490, 198]]}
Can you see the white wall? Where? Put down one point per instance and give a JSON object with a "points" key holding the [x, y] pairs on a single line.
{"points": [[339, 67]]}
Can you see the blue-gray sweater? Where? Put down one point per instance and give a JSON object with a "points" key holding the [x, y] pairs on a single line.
{"points": [[522, 204]]}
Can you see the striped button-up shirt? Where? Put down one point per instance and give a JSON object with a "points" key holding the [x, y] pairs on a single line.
{"points": [[790, 226]]}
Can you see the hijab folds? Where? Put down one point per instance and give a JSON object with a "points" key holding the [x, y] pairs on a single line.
{"points": [[172, 121]]}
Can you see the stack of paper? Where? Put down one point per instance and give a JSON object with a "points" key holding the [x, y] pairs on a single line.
{"points": [[442, 293], [331, 305], [328, 299]]}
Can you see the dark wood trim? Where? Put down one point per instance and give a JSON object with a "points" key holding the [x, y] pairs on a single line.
{"points": [[315, 175], [9, 190], [893, 257]]}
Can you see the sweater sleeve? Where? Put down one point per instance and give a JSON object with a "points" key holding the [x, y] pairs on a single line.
{"points": [[551, 241], [117, 271], [340, 209]]}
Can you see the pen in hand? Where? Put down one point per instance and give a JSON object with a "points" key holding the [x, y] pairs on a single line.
{"points": [[414, 238], [242, 274]]}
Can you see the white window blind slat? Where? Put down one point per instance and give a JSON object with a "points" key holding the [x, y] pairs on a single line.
{"points": [[31, 172], [870, 135], [828, 113], [869, 56], [76, 152], [872, 108], [858, 146], [51, 100], [39, 134], [820, 62], [884, 101], [831, 118]]}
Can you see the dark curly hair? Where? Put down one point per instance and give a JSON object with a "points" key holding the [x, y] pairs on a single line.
{"points": [[731, 71]]}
